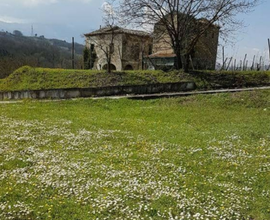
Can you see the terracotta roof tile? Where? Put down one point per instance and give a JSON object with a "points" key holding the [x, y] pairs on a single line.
{"points": [[160, 55]]}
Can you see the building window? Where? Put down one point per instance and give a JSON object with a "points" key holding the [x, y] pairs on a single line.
{"points": [[150, 49], [213, 35]]}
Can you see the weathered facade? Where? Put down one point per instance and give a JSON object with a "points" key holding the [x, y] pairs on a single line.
{"points": [[128, 48], [204, 54], [133, 50]]}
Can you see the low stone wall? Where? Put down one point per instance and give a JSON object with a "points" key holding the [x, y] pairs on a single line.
{"points": [[97, 92]]}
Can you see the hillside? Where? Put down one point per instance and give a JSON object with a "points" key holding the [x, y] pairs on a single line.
{"points": [[17, 50]]}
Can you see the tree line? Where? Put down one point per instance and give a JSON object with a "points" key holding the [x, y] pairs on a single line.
{"points": [[17, 50]]}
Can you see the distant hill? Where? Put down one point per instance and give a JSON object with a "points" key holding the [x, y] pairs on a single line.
{"points": [[17, 50]]}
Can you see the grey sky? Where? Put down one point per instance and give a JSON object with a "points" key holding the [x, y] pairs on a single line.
{"points": [[66, 18], [52, 18]]}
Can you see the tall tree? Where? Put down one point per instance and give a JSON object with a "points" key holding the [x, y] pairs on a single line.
{"points": [[86, 58], [179, 19], [106, 42]]}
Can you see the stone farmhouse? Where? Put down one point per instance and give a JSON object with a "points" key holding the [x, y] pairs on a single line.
{"points": [[134, 50], [128, 48], [203, 56]]}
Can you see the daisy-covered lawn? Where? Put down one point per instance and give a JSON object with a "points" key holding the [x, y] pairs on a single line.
{"points": [[199, 157]]}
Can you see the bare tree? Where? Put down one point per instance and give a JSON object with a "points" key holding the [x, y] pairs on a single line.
{"points": [[104, 39], [185, 21], [109, 18]]}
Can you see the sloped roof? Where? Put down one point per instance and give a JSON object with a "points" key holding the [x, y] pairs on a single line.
{"points": [[161, 54], [117, 30]]}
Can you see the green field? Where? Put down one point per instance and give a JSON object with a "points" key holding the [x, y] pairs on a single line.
{"points": [[28, 78], [199, 157]]}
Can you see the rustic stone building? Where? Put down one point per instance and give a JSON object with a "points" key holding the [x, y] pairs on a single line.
{"points": [[204, 54], [128, 47], [133, 50]]}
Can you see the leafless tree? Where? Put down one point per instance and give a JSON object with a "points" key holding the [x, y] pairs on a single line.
{"points": [[179, 19], [105, 41]]}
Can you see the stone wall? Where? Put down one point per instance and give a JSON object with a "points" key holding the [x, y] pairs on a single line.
{"points": [[98, 92]]}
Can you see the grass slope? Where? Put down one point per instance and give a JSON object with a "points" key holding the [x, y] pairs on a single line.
{"points": [[27, 78], [231, 79], [39, 78], [199, 157]]}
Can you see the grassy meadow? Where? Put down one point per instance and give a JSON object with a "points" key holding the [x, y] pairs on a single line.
{"points": [[197, 157]]}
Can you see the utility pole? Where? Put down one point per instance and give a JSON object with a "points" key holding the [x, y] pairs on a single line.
{"points": [[73, 53], [223, 56], [269, 51]]}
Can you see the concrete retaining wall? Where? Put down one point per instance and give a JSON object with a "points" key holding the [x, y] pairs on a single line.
{"points": [[97, 92]]}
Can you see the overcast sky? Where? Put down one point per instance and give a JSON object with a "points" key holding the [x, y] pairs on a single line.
{"points": [[53, 18], [66, 18]]}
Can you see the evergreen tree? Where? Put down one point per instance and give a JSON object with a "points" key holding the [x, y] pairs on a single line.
{"points": [[86, 58]]}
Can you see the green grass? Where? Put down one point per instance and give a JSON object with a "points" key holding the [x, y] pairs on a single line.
{"points": [[231, 79], [27, 78], [197, 157]]}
